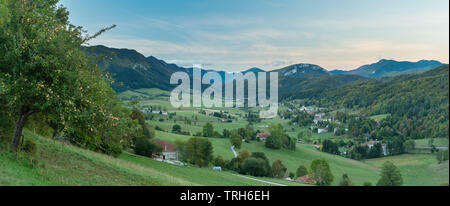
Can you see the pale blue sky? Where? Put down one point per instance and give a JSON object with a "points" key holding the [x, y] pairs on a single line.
{"points": [[236, 35]]}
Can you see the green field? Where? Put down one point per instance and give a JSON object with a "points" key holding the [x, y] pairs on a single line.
{"points": [[438, 142], [358, 171], [417, 169]]}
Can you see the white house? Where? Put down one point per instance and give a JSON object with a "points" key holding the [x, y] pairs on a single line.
{"points": [[322, 130], [169, 151]]}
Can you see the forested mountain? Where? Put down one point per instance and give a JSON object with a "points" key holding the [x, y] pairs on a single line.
{"points": [[418, 103], [132, 70], [302, 70], [388, 68], [288, 85]]}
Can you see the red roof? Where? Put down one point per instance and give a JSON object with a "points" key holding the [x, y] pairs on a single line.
{"points": [[367, 143], [263, 135], [165, 145], [307, 180]]}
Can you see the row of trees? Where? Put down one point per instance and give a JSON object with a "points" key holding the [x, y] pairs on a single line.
{"points": [[279, 139]]}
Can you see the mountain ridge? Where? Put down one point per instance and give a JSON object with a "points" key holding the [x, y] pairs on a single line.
{"points": [[132, 70]]}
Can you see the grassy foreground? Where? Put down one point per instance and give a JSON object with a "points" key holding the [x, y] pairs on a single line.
{"points": [[57, 163]]}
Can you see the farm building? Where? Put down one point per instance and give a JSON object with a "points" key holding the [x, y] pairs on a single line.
{"points": [[306, 180], [263, 136], [169, 151]]}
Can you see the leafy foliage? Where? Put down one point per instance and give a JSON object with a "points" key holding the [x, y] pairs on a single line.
{"points": [[301, 171], [278, 169], [320, 170], [43, 71], [146, 148], [390, 175], [197, 150]]}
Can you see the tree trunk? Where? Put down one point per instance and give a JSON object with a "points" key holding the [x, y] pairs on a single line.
{"points": [[19, 128], [55, 131]]}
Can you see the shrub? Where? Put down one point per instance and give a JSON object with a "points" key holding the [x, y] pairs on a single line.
{"points": [[254, 166], [219, 161], [345, 181], [111, 148], [146, 148], [367, 184], [278, 169], [302, 171], [176, 128], [291, 175]]}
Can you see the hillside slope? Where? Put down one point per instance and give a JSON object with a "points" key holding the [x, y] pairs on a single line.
{"points": [[57, 163]]}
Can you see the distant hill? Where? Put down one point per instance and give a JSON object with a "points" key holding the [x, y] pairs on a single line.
{"points": [[418, 103], [133, 70], [388, 68], [302, 70], [289, 85]]}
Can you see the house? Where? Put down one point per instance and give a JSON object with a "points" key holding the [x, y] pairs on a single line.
{"points": [[322, 130], [263, 136], [370, 143], [384, 148], [169, 151], [306, 180]]}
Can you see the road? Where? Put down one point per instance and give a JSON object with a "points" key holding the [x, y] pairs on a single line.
{"points": [[424, 147], [263, 181], [234, 151]]}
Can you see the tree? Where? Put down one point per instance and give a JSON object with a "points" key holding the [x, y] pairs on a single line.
{"points": [[243, 155], [301, 171], [274, 140], [330, 147], [409, 145], [199, 151], [376, 151], [208, 130], [45, 71], [278, 169], [255, 167], [390, 175], [266, 165], [321, 172], [219, 161], [226, 133], [176, 129], [345, 181], [146, 148], [235, 140], [137, 115]]}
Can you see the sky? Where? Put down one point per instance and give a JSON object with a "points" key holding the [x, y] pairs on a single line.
{"points": [[235, 35]]}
